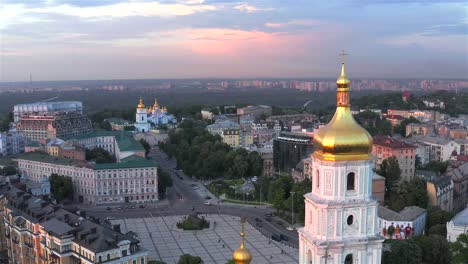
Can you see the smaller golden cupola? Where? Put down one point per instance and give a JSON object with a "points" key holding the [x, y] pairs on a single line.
{"points": [[140, 104], [156, 105], [242, 255]]}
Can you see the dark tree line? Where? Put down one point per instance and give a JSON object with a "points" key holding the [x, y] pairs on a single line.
{"points": [[374, 123], [205, 156], [100, 155]]}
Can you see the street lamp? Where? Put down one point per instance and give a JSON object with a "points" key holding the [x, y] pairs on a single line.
{"points": [[292, 208]]}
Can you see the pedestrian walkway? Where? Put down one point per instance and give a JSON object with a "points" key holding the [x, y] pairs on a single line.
{"points": [[164, 241]]}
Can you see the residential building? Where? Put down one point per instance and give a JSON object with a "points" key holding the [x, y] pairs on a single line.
{"points": [[37, 232], [463, 142], [457, 226], [55, 125], [38, 188], [385, 147], [423, 151], [441, 148], [289, 149], [420, 129], [133, 179], [267, 164], [255, 110], [308, 168], [423, 116], [394, 119], [460, 186], [459, 133], [12, 143], [340, 213], [227, 130], [413, 217], [440, 192], [46, 108]]}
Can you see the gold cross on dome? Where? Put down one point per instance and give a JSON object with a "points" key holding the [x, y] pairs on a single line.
{"points": [[343, 54]]}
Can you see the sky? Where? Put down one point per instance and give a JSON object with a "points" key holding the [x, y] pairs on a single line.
{"points": [[138, 39]]}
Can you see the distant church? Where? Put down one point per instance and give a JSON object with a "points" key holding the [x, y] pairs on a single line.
{"points": [[340, 214], [152, 116]]}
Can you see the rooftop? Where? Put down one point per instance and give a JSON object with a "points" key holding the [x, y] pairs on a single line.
{"points": [[461, 219], [409, 213], [224, 125], [435, 140], [129, 162], [390, 142], [124, 139]]}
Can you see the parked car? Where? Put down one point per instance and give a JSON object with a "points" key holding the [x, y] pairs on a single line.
{"points": [[119, 208], [290, 228], [268, 219], [208, 197], [279, 223], [108, 208], [268, 214], [207, 203], [258, 219], [259, 224], [284, 237], [141, 206]]}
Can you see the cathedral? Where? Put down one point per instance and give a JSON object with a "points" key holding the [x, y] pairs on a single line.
{"points": [[340, 215], [155, 115]]}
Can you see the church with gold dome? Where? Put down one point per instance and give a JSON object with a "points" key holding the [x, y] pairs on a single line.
{"points": [[340, 223], [153, 116]]}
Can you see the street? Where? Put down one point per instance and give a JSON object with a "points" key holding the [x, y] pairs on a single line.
{"points": [[182, 199]]}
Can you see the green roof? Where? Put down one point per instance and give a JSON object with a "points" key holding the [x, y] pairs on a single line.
{"points": [[6, 162], [33, 144], [44, 157], [117, 120], [128, 162], [124, 139]]}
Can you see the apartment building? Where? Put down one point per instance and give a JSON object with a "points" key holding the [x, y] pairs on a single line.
{"points": [[441, 148], [12, 143], [385, 147], [133, 179], [53, 125], [422, 129], [37, 232], [440, 193]]}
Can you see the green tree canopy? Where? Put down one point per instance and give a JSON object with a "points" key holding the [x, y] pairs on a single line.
{"points": [[402, 252], [407, 193], [460, 249], [189, 259], [61, 187], [390, 169], [435, 249], [164, 181], [100, 155]]}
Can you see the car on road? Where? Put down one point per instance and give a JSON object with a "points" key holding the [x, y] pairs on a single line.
{"points": [[259, 224], [284, 237], [268, 219], [275, 238], [108, 208], [290, 228], [268, 214], [207, 203], [141, 206], [132, 207], [255, 178], [119, 208], [195, 187], [258, 219], [208, 197], [279, 223]]}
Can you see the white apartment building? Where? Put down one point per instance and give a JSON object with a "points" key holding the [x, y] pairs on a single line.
{"points": [[12, 143], [134, 179], [441, 148], [457, 226]]}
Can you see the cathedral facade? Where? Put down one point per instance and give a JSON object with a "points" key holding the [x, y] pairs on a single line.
{"points": [[340, 215], [155, 115]]}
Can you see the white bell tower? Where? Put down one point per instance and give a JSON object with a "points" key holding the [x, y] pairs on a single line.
{"points": [[141, 118], [340, 214]]}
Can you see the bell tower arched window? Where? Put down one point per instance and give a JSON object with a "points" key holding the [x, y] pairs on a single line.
{"points": [[350, 179], [348, 259]]}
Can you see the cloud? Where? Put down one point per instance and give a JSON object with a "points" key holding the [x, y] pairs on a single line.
{"points": [[20, 13], [294, 22], [247, 8], [435, 42]]}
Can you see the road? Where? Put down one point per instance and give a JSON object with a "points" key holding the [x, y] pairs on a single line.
{"points": [[182, 199]]}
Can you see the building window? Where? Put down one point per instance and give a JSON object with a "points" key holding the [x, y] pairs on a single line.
{"points": [[317, 178], [349, 259], [350, 181], [350, 220]]}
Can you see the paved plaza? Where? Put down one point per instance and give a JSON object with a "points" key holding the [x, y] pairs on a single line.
{"points": [[165, 242]]}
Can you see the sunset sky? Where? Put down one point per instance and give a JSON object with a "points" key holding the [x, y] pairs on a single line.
{"points": [[110, 39]]}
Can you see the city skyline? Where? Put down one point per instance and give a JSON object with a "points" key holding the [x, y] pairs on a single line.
{"points": [[82, 40]]}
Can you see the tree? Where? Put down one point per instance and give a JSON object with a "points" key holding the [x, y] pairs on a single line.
{"points": [[407, 193], [189, 259], [100, 155], [105, 125], [439, 167], [145, 145], [164, 181], [435, 249], [402, 252], [8, 170], [460, 249], [156, 262], [61, 187], [230, 261], [390, 169], [437, 216], [438, 229]]}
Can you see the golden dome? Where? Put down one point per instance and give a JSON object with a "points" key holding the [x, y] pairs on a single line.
{"points": [[242, 255], [156, 105], [140, 104], [342, 138]]}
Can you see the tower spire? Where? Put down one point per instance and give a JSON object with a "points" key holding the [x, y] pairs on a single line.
{"points": [[242, 255]]}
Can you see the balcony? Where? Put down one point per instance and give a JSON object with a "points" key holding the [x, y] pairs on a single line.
{"points": [[29, 244], [16, 241]]}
